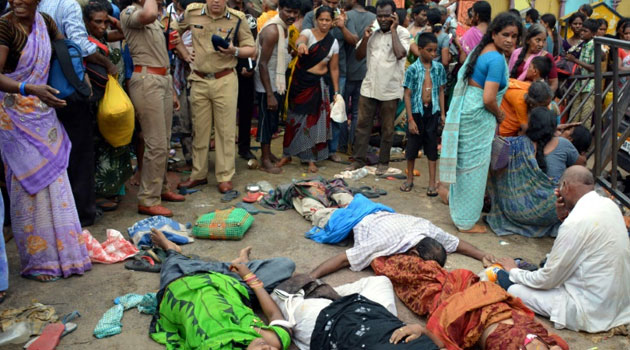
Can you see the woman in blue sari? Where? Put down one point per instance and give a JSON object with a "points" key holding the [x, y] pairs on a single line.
{"points": [[523, 200], [472, 121]]}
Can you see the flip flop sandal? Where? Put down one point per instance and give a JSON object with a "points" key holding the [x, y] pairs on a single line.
{"points": [[229, 196], [35, 275], [49, 339], [432, 192], [380, 191], [144, 264], [106, 204], [406, 187], [69, 317]]}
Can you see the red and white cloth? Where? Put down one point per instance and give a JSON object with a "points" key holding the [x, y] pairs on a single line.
{"points": [[115, 249]]}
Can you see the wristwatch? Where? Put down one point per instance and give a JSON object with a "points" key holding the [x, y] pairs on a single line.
{"points": [[236, 52]]}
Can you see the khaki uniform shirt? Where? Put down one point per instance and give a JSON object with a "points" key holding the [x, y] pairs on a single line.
{"points": [[202, 24], [147, 43]]}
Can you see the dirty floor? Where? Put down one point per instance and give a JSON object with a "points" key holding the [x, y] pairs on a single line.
{"points": [[281, 234]]}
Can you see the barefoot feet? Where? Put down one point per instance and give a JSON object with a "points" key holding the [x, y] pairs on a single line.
{"points": [[243, 256], [160, 241], [478, 228], [284, 161], [312, 168], [269, 166], [442, 192]]}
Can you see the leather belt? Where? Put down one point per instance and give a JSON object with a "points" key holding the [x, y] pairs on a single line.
{"points": [[151, 70], [217, 75]]}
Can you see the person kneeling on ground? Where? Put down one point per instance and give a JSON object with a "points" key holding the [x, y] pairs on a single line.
{"points": [[579, 287], [359, 313], [199, 300]]}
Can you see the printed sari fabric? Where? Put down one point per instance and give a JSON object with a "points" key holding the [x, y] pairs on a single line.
{"points": [[466, 149], [422, 285], [208, 312], [461, 320], [523, 200], [355, 322], [460, 308], [316, 188], [4, 263], [308, 117], [35, 150]]}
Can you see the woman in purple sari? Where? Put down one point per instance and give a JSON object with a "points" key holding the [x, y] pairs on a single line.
{"points": [[35, 149]]}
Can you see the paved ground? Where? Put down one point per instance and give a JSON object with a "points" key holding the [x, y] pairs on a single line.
{"points": [[271, 235]]}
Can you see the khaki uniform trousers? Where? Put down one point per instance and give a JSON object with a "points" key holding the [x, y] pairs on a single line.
{"points": [[152, 98], [213, 102]]}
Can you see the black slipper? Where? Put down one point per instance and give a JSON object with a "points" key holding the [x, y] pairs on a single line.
{"points": [[229, 196], [432, 192], [406, 187], [139, 264]]}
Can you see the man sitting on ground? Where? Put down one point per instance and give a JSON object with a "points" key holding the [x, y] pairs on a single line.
{"points": [[582, 286]]}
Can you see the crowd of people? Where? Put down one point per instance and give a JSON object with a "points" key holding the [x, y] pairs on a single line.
{"points": [[478, 99]]}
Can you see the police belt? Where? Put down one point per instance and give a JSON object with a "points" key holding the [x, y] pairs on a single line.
{"points": [[217, 75]]}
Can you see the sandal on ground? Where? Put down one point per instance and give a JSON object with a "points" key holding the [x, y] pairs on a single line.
{"points": [[106, 204], [432, 192], [368, 192], [252, 197], [34, 276], [406, 187], [229, 196], [143, 263]]}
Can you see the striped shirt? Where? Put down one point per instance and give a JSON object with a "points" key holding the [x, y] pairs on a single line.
{"points": [[69, 18]]}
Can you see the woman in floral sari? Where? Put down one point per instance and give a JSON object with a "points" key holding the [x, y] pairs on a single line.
{"points": [[472, 121], [113, 164], [308, 118], [35, 149]]}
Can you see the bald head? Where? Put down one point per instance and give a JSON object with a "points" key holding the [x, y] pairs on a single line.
{"points": [[578, 175], [270, 5]]}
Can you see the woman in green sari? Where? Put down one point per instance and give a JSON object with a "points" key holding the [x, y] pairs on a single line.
{"points": [[203, 305], [472, 120]]}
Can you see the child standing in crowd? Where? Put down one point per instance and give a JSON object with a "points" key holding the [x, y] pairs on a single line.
{"points": [[424, 101], [587, 64]]}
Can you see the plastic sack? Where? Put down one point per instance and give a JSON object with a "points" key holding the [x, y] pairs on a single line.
{"points": [[115, 115], [116, 248], [338, 110]]}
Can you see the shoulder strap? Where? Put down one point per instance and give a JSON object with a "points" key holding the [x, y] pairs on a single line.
{"points": [[63, 56], [238, 26], [99, 44]]}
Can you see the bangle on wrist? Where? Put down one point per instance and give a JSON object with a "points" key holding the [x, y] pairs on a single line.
{"points": [[23, 89], [337, 93], [236, 52]]}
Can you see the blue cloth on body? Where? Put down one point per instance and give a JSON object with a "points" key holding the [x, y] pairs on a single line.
{"points": [[490, 66], [343, 220]]}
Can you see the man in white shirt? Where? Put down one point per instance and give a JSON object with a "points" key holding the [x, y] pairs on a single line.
{"points": [[583, 285], [386, 49], [385, 233]]}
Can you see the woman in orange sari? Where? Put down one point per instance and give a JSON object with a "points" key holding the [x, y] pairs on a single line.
{"points": [[462, 311]]}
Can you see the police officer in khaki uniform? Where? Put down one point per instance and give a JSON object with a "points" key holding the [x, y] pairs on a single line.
{"points": [[151, 91], [214, 87]]}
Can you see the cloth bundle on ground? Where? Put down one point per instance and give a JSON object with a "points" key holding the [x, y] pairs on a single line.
{"points": [[356, 322], [203, 305], [36, 315], [175, 232], [115, 249], [460, 307], [343, 220], [316, 188], [228, 224], [110, 324], [523, 200]]}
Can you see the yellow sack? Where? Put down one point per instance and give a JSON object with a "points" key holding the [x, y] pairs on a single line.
{"points": [[115, 115]]}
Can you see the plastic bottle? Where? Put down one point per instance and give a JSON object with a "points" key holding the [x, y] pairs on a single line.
{"points": [[18, 333], [492, 271], [360, 173]]}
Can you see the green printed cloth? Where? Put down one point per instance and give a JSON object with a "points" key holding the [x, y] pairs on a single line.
{"points": [[208, 311]]}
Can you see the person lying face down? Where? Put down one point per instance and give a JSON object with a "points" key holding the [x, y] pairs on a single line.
{"points": [[385, 233], [463, 312]]}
